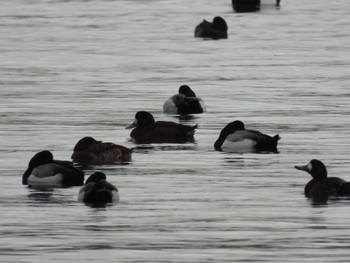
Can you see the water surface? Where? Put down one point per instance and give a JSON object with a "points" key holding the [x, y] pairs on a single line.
{"points": [[70, 69]]}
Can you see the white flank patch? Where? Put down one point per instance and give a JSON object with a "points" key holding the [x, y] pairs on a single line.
{"points": [[202, 105], [169, 106], [81, 195], [245, 145], [115, 196], [47, 180]]}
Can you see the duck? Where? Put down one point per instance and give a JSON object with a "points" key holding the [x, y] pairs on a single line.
{"points": [[245, 5], [97, 190], [235, 138], [321, 187], [185, 102], [43, 170], [215, 30], [89, 151], [147, 130], [252, 5]]}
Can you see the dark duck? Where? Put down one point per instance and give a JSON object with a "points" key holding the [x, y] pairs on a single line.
{"points": [[215, 30], [147, 130], [89, 151], [251, 5], [321, 187]]}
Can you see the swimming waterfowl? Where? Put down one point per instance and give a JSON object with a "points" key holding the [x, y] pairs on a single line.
{"points": [[89, 151], [97, 190], [185, 102], [44, 170], [246, 5], [320, 188], [215, 30], [252, 5], [235, 138], [147, 130]]}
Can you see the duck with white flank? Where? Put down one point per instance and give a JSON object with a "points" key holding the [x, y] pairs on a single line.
{"points": [[185, 102], [98, 191], [44, 170], [235, 138]]}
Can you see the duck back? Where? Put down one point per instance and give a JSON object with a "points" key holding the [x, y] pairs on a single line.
{"points": [[99, 153], [321, 190], [98, 192], [264, 142], [164, 132], [215, 30]]}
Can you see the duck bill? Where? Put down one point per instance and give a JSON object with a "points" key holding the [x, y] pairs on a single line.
{"points": [[302, 168], [132, 125]]}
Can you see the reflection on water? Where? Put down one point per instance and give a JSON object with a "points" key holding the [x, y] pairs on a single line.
{"points": [[145, 148], [41, 195], [70, 69]]}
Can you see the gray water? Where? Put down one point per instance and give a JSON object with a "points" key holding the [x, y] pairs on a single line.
{"points": [[70, 69]]}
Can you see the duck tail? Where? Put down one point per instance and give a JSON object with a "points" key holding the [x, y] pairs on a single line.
{"points": [[194, 129], [344, 189], [277, 137]]}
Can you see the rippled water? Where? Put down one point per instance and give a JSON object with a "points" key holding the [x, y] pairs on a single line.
{"points": [[69, 69]]}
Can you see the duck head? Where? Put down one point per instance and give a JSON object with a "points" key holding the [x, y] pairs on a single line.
{"points": [[142, 119], [96, 177], [84, 144], [316, 168], [229, 129], [220, 24], [187, 91], [38, 159]]}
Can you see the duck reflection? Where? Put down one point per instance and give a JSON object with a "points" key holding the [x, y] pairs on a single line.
{"points": [[237, 160], [147, 148], [184, 118], [99, 206], [40, 194]]}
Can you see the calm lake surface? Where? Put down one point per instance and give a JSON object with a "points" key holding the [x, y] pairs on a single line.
{"points": [[70, 69]]}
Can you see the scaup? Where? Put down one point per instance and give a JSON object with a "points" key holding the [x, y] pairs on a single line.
{"points": [[235, 138], [251, 5], [185, 102], [147, 130], [97, 190], [215, 30], [245, 5], [89, 151], [321, 187], [44, 170]]}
